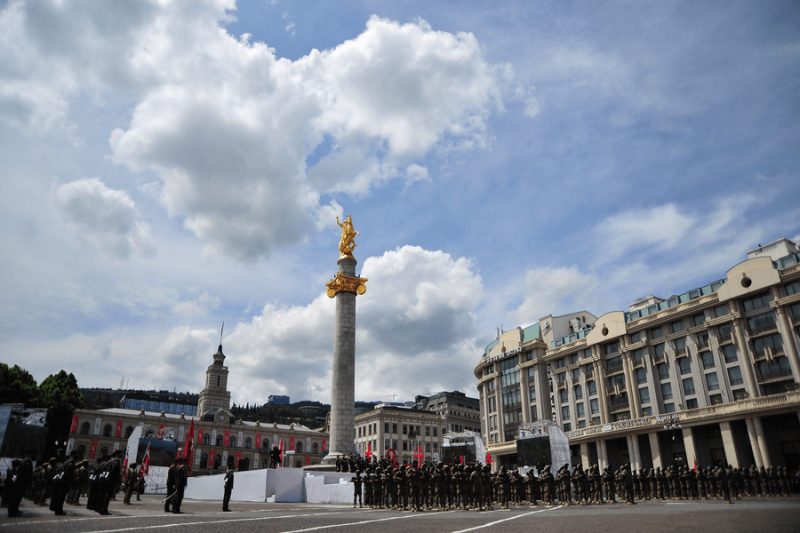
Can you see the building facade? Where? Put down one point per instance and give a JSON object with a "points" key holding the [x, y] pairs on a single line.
{"points": [[710, 375], [408, 431], [219, 439], [461, 412]]}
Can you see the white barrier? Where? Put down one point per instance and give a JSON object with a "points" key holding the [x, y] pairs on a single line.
{"points": [[279, 485], [329, 487]]}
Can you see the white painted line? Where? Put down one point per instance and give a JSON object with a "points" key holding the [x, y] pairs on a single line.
{"points": [[354, 523], [143, 528], [505, 520]]}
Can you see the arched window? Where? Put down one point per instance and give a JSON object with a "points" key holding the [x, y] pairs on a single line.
{"points": [[232, 442], [103, 451], [204, 461], [265, 444], [217, 461], [128, 431], [81, 452], [206, 439], [244, 464], [107, 430], [297, 464], [248, 443], [298, 447], [264, 464], [218, 380], [85, 428], [219, 440], [314, 448], [231, 461]]}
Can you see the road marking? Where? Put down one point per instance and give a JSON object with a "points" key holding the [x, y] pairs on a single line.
{"points": [[505, 520], [354, 523], [142, 528]]}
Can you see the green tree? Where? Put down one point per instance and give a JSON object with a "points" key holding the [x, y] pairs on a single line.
{"points": [[61, 395], [18, 386]]}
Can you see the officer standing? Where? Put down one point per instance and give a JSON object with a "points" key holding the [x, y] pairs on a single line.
{"points": [[181, 480], [170, 486], [228, 488], [24, 476]]}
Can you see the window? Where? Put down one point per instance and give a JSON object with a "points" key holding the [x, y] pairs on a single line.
{"points": [[644, 395], [573, 359], [596, 420], [592, 388], [688, 386], [386, 427], [666, 391], [641, 376], [708, 360], [685, 365], [427, 431], [647, 411], [588, 370], [405, 429], [576, 374], [612, 347], [565, 413], [773, 341], [534, 414], [659, 349], [107, 430], [579, 410], [730, 353], [217, 461], [680, 344], [581, 424], [532, 392], [594, 405], [699, 319], [564, 396], [128, 431], [510, 397], [716, 399], [265, 444], [578, 393], [405, 445], [219, 440], [762, 320], [614, 364], [298, 447], [248, 443], [691, 403], [663, 371], [677, 326], [206, 440], [656, 333], [669, 407], [735, 375], [394, 443], [103, 451], [232, 442], [793, 288], [428, 447], [620, 379], [85, 428], [567, 427], [204, 461], [394, 428], [712, 381], [434, 430], [561, 363], [757, 302], [638, 355], [315, 448], [636, 337], [531, 373]]}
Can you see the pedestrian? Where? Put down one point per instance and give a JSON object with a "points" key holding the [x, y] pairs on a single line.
{"points": [[23, 478], [228, 488]]}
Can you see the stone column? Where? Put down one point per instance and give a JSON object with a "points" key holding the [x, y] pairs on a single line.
{"points": [[600, 377], [751, 432], [788, 342], [762, 441], [633, 385], [525, 395], [342, 437], [688, 443], [727, 442], [637, 457], [602, 453], [746, 359], [655, 450], [585, 455]]}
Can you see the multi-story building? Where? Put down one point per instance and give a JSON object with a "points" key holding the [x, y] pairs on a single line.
{"points": [[461, 412], [170, 402], [710, 375], [406, 430], [219, 439]]}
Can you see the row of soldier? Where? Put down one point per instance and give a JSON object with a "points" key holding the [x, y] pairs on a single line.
{"points": [[472, 487]]}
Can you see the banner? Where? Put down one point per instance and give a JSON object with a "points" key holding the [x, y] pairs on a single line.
{"points": [[160, 431], [211, 454], [74, 427], [238, 457], [308, 460], [324, 446], [198, 455], [227, 441], [180, 433], [200, 436], [92, 449], [70, 446], [213, 437], [97, 423], [118, 433], [291, 443], [258, 441], [133, 444], [308, 445], [241, 441]]}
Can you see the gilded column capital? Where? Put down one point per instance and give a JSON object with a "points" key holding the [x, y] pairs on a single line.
{"points": [[342, 283]]}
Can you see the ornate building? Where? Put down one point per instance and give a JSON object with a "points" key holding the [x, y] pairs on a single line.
{"points": [[710, 375], [219, 439]]}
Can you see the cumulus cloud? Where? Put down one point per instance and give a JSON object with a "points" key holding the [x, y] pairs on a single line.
{"points": [[106, 218], [554, 291]]}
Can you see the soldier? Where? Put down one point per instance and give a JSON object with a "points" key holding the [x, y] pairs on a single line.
{"points": [[764, 478], [228, 489], [130, 483], [140, 485], [275, 457], [609, 485], [414, 482], [94, 484], [356, 481], [530, 484], [722, 477], [8, 487], [389, 489], [701, 484], [627, 483], [112, 471], [501, 481], [476, 480], [62, 483], [181, 480], [23, 477], [171, 475]]}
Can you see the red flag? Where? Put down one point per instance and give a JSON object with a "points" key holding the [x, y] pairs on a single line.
{"points": [[187, 449], [280, 465], [324, 442], [146, 460], [488, 458], [74, 427], [695, 465], [291, 443], [369, 452]]}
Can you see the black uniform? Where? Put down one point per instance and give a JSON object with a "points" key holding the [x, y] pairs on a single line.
{"points": [[181, 480], [24, 477], [228, 490]]}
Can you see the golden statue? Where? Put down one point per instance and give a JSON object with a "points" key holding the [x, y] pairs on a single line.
{"points": [[346, 245]]}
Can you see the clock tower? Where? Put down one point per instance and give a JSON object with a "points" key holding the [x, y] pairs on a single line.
{"points": [[215, 395]]}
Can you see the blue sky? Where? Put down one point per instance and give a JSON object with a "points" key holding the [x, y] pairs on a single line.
{"points": [[170, 166]]}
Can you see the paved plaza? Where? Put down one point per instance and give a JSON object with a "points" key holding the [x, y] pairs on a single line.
{"points": [[772, 515]]}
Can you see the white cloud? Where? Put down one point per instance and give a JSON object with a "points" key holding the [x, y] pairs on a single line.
{"points": [[416, 172], [106, 218], [200, 306], [555, 291]]}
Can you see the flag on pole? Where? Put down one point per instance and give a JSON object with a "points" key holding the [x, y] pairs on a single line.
{"points": [[187, 449], [695, 465], [280, 465], [146, 461]]}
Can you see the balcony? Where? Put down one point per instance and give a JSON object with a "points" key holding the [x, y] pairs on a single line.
{"points": [[681, 352], [702, 344], [725, 338], [766, 328], [613, 368], [620, 404], [762, 354], [780, 373], [561, 385], [796, 319]]}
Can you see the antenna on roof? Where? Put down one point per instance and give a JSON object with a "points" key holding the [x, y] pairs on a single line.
{"points": [[220, 332], [121, 382]]}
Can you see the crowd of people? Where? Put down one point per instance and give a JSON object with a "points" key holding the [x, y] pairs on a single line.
{"points": [[471, 486]]}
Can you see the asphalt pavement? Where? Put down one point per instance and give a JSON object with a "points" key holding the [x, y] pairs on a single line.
{"points": [[769, 515]]}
